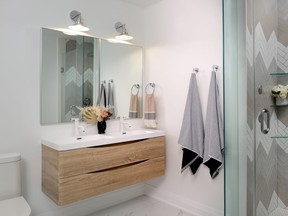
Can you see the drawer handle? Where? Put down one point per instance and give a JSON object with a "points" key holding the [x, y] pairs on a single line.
{"points": [[119, 167]]}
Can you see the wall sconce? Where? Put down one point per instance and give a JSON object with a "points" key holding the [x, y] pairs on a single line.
{"points": [[78, 25], [120, 28]]}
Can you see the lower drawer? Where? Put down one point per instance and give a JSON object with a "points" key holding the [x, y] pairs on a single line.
{"points": [[87, 185]]}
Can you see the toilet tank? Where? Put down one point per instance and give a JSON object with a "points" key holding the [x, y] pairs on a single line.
{"points": [[10, 175]]}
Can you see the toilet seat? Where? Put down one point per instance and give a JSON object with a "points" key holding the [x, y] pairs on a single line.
{"points": [[15, 207]]}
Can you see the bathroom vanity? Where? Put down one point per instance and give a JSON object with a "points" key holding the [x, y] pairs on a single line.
{"points": [[91, 167]]}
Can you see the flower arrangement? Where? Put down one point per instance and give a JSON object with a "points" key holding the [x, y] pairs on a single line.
{"points": [[94, 114], [280, 91]]}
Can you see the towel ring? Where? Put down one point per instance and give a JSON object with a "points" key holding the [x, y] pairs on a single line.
{"points": [[151, 85], [137, 86]]}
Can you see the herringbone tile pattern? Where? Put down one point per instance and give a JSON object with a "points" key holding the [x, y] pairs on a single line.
{"points": [[270, 44], [266, 174]]}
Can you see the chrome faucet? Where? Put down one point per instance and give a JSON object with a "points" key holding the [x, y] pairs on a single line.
{"points": [[123, 124], [78, 129]]}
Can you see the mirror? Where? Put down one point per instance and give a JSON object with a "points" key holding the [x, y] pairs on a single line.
{"points": [[74, 68]]}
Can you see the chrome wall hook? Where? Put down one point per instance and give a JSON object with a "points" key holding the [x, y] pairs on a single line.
{"points": [[196, 70], [215, 68]]}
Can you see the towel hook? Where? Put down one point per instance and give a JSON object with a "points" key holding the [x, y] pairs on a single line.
{"points": [[110, 81], [215, 68], [103, 82], [195, 70], [151, 85], [137, 86]]}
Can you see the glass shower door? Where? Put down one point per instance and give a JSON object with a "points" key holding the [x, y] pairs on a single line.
{"points": [[256, 171], [265, 27], [236, 111]]}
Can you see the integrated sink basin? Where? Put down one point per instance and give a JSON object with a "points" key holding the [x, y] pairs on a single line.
{"points": [[131, 132], [69, 143]]}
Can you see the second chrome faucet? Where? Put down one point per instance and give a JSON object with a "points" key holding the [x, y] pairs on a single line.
{"points": [[123, 124]]}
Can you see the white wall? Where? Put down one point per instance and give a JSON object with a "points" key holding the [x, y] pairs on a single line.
{"points": [[181, 35], [20, 129]]}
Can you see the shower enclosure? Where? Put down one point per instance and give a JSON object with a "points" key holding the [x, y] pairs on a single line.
{"points": [[256, 124]]}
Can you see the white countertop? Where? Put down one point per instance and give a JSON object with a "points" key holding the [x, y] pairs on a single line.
{"points": [[69, 143]]}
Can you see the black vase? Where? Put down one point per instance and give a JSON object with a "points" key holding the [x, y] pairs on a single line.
{"points": [[101, 125]]}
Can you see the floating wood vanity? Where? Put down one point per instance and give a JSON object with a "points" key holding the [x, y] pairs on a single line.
{"points": [[72, 175]]}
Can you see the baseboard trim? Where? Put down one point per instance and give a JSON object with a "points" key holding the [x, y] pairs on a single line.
{"points": [[92, 205], [180, 202]]}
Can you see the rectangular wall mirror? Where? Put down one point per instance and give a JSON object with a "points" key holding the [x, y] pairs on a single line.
{"points": [[74, 67]]}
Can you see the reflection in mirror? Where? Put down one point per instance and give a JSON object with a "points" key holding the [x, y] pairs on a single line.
{"points": [[71, 70], [121, 66], [67, 75]]}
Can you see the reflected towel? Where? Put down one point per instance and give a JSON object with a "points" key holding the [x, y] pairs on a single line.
{"points": [[110, 102], [192, 130], [133, 108], [213, 143], [102, 96], [150, 111]]}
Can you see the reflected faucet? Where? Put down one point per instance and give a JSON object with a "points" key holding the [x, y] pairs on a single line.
{"points": [[74, 111], [78, 129]]}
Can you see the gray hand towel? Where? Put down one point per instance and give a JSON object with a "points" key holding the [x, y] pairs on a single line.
{"points": [[102, 96], [111, 100], [192, 131], [213, 143]]}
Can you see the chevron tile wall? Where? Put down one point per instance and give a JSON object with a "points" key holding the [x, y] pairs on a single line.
{"points": [[282, 57], [270, 55], [78, 77]]}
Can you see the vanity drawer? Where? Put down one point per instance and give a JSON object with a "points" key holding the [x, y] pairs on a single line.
{"points": [[85, 160], [87, 185]]}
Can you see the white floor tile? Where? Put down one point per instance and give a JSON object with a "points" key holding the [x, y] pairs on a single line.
{"points": [[142, 206]]}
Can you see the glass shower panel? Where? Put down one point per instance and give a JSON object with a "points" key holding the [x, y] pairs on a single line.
{"points": [[88, 71], [72, 77], [265, 26], [235, 109], [256, 139]]}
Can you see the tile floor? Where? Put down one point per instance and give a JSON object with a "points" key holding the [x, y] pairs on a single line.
{"points": [[142, 206]]}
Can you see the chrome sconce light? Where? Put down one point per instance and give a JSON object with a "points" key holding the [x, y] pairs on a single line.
{"points": [[78, 25], [120, 28]]}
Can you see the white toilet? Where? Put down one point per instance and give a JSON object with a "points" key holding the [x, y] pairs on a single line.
{"points": [[11, 201]]}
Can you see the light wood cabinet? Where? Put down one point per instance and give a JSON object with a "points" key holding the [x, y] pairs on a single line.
{"points": [[73, 175]]}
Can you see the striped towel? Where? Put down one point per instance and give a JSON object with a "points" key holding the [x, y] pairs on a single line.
{"points": [[133, 108], [150, 111], [191, 136]]}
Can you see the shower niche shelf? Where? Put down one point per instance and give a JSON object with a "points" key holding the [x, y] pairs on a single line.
{"points": [[279, 137], [280, 105], [279, 74]]}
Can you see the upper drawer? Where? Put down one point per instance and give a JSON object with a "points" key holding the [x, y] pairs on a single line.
{"points": [[80, 161]]}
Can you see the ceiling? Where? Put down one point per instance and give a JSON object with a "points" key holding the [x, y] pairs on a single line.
{"points": [[142, 3]]}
